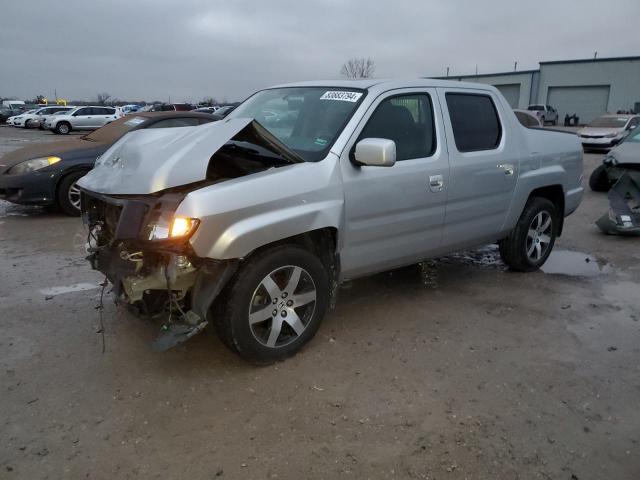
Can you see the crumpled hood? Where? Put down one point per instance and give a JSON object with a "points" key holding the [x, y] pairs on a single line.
{"points": [[599, 131], [626, 153], [148, 161]]}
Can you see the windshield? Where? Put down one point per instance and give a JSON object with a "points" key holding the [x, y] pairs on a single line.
{"points": [[609, 122], [306, 119], [114, 130]]}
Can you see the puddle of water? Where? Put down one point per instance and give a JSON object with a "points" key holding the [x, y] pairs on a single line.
{"points": [[574, 264]]}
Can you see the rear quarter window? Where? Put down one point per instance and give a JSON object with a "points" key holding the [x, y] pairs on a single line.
{"points": [[475, 122]]}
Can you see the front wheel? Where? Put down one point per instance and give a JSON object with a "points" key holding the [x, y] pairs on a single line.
{"points": [[63, 128], [529, 244], [69, 194], [274, 304]]}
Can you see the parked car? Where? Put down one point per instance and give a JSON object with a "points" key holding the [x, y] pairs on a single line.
{"points": [[82, 118], [34, 118], [45, 117], [210, 110], [5, 113], [46, 174], [607, 131], [224, 111], [131, 108], [166, 107], [16, 119], [620, 159], [527, 118], [252, 228], [14, 104], [546, 113]]}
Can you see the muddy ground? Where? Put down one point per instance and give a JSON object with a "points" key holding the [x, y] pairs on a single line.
{"points": [[482, 374]]}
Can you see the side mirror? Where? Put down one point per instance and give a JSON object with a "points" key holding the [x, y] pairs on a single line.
{"points": [[631, 127], [375, 152]]}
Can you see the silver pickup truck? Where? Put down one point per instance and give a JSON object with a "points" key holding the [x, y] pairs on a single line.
{"points": [[249, 224]]}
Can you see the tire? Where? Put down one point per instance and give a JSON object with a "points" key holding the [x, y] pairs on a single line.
{"points": [[599, 180], [63, 128], [529, 244], [256, 337], [67, 194], [26, 124]]}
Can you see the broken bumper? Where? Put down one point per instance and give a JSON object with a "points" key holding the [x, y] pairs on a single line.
{"points": [[157, 279]]}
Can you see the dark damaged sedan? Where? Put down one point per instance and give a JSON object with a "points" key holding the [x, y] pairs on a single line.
{"points": [[46, 174]]}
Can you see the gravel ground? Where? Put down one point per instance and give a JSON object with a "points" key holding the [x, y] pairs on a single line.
{"points": [[469, 372]]}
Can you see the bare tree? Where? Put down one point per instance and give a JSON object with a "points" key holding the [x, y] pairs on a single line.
{"points": [[102, 98], [358, 68], [209, 101]]}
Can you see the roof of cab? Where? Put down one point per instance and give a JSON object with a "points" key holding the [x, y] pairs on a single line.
{"points": [[384, 84]]}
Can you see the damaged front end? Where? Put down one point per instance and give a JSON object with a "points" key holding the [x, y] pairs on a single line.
{"points": [[144, 252], [623, 217]]}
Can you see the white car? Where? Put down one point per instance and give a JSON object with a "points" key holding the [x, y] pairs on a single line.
{"points": [[33, 118], [608, 130], [82, 118], [60, 110], [17, 120], [546, 113]]}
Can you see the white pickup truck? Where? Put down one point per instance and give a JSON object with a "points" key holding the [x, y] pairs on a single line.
{"points": [[251, 222]]}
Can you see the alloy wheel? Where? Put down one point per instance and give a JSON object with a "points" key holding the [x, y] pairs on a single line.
{"points": [[282, 306], [539, 236], [74, 195]]}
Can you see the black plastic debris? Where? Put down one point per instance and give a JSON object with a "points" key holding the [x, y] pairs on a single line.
{"points": [[623, 217]]}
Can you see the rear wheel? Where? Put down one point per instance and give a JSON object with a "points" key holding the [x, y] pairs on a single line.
{"points": [[599, 180], [274, 304], [69, 194], [63, 128], [529, 244]]}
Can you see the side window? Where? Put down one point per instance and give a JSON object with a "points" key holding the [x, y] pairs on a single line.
{"points": [[82, 112], [176, 122], [475, 121], [634, 122], [408, 121], [108, 111]]}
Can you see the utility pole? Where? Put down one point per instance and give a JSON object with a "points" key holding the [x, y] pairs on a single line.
{"points": [[595, 54], [447, 71], [476, 69], [515, 66]]}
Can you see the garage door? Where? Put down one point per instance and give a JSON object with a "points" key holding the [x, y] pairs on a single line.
{"points": [[511, 92], [586, 102]]}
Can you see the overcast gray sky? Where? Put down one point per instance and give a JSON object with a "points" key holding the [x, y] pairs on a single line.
{"points": [[189, 49]]}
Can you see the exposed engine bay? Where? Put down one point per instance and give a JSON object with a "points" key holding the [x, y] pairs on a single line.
{"points": [[143, 248]]}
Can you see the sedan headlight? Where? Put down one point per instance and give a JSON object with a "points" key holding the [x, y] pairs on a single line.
{"points": [[33, 165], [176, 227]]}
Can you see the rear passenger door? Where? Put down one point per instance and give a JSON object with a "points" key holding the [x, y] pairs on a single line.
{"points": [[394, 215], [103, 115], [484, 162]]}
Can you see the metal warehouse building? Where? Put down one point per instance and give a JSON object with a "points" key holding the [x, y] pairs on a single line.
{"points": [[587, 88]]}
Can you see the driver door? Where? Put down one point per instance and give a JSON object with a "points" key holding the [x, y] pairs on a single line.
{"points": [[394, 215]]}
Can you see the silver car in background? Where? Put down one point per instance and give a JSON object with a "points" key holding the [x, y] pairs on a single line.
{"points": [[608, 130], [82, 118]]}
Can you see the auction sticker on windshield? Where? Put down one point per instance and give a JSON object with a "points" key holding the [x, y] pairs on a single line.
{"points": [[341, 96], [134, 121]]}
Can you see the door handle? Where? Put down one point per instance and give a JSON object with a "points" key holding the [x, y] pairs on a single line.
{"points": [[507, 167], [436, 183]]}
